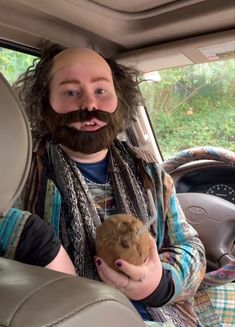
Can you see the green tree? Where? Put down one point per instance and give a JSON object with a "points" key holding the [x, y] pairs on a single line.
{"points": [[192, 106], [13, 63]]}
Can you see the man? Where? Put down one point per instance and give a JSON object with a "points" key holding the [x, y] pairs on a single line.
{"points": [[77, 103]]}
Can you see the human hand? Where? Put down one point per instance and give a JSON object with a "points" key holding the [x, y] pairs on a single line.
{"points": [[136, 282]]}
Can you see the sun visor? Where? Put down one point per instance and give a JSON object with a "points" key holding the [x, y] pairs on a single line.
{"points": [[15, 147]]}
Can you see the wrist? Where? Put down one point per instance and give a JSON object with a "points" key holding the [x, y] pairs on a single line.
{"points": [[163, 292], [149, 285], [154, 284]]}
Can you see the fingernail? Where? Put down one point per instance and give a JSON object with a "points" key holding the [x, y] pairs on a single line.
{"points": [[98, 262], [118, 264]]}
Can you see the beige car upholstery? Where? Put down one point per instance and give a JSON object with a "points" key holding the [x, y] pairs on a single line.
{"points": [[33, 296], [15, 147]]}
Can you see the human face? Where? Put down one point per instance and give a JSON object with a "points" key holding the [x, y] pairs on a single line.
{"points": [[85, 84], [84, 102]]}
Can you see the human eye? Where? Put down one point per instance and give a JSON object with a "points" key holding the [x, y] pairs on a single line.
{"points": [[100, 91], [72, 93]]}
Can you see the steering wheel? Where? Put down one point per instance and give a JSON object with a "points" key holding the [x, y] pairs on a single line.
{"points": [[199, 153], [211, 216]]}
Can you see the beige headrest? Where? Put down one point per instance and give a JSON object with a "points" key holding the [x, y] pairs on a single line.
{"points": [[15, 147]]}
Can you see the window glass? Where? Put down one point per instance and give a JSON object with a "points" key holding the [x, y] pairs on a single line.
{"points": [[14, 63], [192, 106]]}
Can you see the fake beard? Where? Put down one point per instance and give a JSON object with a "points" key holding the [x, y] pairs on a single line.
{"points": [[80, 141]]}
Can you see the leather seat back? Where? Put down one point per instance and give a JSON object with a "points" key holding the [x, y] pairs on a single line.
{"points": [[15, 147], [35, 297]]}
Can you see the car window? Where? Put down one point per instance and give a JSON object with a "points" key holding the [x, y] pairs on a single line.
{"points": [[14, 63], [188, 106], [192, 106]]}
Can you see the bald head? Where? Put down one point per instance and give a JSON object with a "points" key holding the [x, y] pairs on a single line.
{"points": [[75, 56]]}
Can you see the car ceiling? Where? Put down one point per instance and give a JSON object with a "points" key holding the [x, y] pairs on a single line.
{"points": [[133, 30]]}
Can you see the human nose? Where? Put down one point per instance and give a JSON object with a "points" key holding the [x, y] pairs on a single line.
{"points": [[88, 102]]}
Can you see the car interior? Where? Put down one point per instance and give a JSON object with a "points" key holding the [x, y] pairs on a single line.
{"points": [[150, 36]]}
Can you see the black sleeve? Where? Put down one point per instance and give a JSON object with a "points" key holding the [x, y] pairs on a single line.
{"points": [[38, 244], [163, 293]]}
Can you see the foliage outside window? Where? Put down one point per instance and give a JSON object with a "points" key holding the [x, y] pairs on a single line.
{"points": [[14, 63], [193, 106]]}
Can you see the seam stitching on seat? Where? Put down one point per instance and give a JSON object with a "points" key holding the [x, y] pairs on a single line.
{"points": [[34, 291], [54, 323]]}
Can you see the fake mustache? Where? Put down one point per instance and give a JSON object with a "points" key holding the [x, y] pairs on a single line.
{"points": [[81, 116]]}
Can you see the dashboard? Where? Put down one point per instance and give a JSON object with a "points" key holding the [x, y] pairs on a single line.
{"points": [[218, 181]]}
